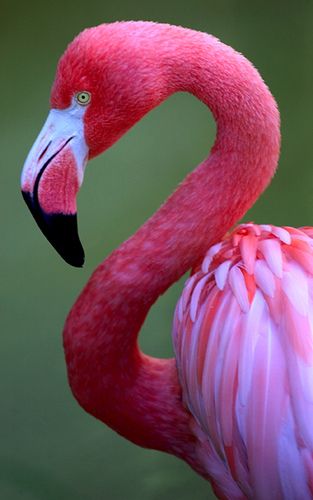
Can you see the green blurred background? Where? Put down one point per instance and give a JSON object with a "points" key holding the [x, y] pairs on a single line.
{"points": [[50, 449]]}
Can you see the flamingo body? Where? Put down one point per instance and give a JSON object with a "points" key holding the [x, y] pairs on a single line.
{"points": [[243, 334], [236, 402]]}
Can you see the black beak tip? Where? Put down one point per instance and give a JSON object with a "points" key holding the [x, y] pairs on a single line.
{"points": [[60, 230]]}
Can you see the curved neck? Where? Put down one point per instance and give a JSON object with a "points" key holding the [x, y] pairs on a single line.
{"points": [[137, 395]]}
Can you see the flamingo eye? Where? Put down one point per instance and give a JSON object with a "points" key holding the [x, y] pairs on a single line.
{"points": [[83, 98]]}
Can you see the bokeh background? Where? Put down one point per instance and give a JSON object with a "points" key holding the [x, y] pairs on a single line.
{"points": [[49, 448]]}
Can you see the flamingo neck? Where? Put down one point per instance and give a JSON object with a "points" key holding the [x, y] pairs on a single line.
{"points": [[137, 395]]}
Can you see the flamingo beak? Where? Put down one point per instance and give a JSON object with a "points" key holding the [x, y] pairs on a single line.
{"points": [[51, 177]]}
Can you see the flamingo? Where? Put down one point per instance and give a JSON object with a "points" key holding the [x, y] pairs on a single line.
{"points": [[236, 402]]}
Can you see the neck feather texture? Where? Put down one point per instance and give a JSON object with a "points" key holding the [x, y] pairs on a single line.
{"points": [[137, 395]]}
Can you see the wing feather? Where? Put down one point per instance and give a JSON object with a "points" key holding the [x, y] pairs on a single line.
{"points": [[243, 337]]}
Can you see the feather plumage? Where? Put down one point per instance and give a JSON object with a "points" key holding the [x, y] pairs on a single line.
{"points": [[248, 378]]}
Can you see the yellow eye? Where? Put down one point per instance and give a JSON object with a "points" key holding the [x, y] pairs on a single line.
{"points": [[83, 98]]}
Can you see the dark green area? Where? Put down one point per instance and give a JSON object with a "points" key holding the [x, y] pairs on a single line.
{"points": [[50, 449]]}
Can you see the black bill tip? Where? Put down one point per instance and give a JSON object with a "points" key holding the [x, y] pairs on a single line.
{"points": [[60, 230]]}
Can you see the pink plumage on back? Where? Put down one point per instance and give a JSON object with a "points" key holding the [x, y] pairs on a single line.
{"points": [[245, 359]]}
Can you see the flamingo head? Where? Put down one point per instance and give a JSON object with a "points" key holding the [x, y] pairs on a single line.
{"points": [[102, 87]]}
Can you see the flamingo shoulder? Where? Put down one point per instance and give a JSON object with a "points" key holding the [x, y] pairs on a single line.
{"points": [[243, 339]]}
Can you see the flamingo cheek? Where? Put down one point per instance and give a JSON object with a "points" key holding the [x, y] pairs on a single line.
{"points": [[59, 184]]}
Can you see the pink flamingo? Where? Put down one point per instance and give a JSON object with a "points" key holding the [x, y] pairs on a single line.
{"points": [[236, 403]]}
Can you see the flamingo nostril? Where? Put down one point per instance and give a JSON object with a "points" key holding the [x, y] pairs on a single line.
{"points": [[44, 151]]}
